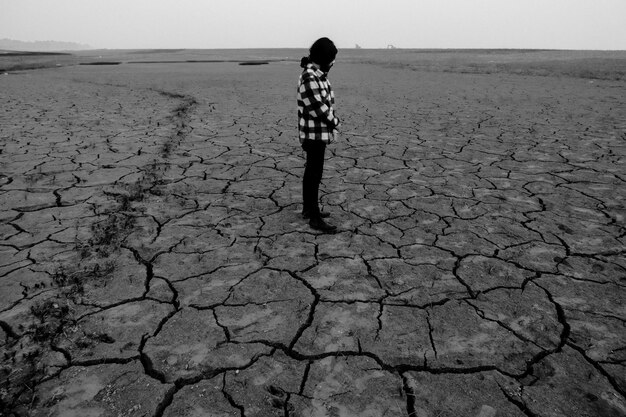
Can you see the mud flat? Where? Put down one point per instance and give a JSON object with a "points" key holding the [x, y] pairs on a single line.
{"points": [[153, 261]]}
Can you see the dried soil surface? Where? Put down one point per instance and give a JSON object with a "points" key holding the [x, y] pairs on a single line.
{"points": [[153, 261]]}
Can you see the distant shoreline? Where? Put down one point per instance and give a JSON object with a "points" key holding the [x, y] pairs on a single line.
{"points": [[587, 64], [29, 53], [15, 52]]}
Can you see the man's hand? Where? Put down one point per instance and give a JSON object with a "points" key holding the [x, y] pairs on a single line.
{"points": [[335, 135]]}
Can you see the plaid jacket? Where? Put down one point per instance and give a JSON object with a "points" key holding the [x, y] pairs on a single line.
{"points": [[316, 116]]}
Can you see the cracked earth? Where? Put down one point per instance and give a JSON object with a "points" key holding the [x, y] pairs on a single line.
{"points": [[154, 262]]}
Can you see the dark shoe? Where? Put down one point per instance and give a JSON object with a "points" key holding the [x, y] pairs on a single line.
{"points": [[323, 215], [322, 226]]}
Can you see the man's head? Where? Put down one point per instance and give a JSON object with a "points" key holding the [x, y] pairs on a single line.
{"points": [[323, 53]]}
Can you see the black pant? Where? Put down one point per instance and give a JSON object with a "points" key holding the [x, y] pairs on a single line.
{"points": [[312, 176]]}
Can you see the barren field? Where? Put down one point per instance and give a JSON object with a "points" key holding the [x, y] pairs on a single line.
{"points": [[153, 261]]}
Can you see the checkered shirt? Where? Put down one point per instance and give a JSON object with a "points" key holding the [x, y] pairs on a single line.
{"points": [[316, 116]]}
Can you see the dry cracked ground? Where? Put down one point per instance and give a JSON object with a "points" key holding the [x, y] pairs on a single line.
{"points": [[154, 262]]}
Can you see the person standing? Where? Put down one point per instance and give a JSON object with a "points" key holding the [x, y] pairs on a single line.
{"points": [[317, 126]]}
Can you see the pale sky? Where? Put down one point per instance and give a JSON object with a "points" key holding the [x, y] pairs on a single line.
{"points": [[553, 24]]}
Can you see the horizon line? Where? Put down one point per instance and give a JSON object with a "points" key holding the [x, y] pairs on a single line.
{"points": [[340, 48]]}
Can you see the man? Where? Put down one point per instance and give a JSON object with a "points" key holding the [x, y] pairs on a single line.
{"points": [[317, 125]]}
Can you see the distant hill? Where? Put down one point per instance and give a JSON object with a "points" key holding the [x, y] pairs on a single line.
{"points": [[41, 46]]}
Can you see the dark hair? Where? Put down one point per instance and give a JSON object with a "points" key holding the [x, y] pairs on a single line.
{"points": [[323, 52]]}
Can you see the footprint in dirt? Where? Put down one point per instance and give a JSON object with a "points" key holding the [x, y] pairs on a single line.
{"points": [[279, 398]]}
